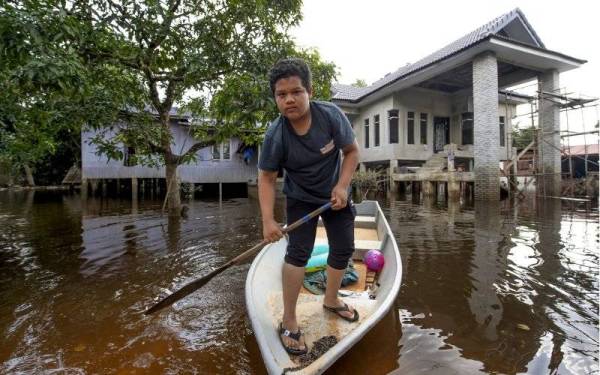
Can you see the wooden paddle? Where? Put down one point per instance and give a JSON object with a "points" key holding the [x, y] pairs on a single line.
{"points": [[199, 283]]}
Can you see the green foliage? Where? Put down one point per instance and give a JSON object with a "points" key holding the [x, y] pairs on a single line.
{"points": [[244, 105], [125, 64], [47, 91], [360, 83], [522, 137], [369, 180]]}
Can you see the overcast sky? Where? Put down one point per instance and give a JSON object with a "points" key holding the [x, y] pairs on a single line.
{"points": [[367, 39]]}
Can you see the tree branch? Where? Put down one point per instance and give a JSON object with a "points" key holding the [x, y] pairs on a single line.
{"points": [[195, 148]]}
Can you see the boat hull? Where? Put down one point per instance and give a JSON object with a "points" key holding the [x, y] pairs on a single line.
{"points": [[265, 307]]}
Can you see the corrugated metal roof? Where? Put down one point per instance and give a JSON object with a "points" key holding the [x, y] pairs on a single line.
{"points": [[582, 150], [351, 93]]}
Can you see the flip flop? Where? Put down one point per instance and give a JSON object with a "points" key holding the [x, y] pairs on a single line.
{"points": [[294, 336], [338, 310]]}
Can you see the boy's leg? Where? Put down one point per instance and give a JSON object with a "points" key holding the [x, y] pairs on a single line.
{"points": [[300, 245], [340, 232]]}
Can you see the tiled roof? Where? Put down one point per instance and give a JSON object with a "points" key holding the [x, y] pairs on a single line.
{"points": [[350, 93]]}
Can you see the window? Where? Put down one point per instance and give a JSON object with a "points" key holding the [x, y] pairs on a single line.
{"points": [[393, 123], [221, 151], [502, 131], [129, 159], [216, 152], [225, 151], [410, 127], [467, 128], [366, 133], [376, 123], [423, 128]]}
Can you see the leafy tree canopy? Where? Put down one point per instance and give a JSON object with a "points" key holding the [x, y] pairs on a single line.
{"points": [[68, 63]]}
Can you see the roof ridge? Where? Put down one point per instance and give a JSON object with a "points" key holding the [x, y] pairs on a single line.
{"points": [[490, 28]]}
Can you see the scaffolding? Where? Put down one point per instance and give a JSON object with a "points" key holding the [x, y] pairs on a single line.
{"points": [[570, 185]]}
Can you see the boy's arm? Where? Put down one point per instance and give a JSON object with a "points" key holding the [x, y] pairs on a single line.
{"points": [[339, 194], [266, 196]]}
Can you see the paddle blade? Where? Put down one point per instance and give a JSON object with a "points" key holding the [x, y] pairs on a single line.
{"points": [[184, 291]]}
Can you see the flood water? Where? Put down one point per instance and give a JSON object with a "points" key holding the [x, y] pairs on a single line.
{"points": [[489, 289]]}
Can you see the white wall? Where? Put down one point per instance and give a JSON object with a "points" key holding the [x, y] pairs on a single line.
{"points": [[418, 100]]}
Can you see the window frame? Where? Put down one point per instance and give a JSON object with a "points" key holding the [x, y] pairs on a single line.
{"points": [[502, 129], [423, 134], [393, 126], [366, 133], [466, 118], [410, 127], [377, 130], [218, 151]]}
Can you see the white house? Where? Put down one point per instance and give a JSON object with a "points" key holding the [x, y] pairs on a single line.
{"points": [[459, 95]]}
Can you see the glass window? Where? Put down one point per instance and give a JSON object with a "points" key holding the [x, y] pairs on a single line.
{"points": [[129, 157], [226, 153], [410, 127], [216, 152], [424, 128], [376, 123], [393, 123], [467, 128], [366, 133], [502, 131]]}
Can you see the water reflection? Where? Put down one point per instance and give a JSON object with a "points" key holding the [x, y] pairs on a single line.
{"points": [[486, 289], [500, 288]]}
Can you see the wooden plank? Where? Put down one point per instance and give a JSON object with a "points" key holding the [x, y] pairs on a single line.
{"points": [[359, 234]]}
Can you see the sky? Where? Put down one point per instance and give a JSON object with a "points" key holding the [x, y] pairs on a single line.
{"points": [[367, 39]]}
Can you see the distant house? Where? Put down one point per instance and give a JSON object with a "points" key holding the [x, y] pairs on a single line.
{"points": [[457, 95], [582, 160], [222, 163]]}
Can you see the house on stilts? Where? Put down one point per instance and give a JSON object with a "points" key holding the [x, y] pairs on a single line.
{"points": [[228, 164], [455, 104]]}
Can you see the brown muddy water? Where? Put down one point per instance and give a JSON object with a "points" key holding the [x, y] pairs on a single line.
{"points": [[486, 289]]}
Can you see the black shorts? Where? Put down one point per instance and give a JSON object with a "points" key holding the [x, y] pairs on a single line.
{"points": [[339, 226]]}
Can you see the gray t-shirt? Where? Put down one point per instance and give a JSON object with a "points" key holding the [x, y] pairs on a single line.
{"points": [[312, 161]]}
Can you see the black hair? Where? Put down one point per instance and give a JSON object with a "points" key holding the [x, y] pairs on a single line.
{"points": [[290, 67]]}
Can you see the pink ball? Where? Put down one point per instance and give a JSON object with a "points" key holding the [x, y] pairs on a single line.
{"points": [[374, 260]]}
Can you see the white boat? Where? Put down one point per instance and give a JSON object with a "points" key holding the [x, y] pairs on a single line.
{"points": [[265, 305]]}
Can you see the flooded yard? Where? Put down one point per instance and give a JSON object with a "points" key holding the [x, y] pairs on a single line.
{"points": [[487, 288]]}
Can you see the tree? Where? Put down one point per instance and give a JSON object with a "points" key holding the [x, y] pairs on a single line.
{"points": [[360, 83], [46, 90], [136, 60], [245, 100], [522, 137]]}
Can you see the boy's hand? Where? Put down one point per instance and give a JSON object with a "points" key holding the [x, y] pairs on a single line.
{"points": [[339, 197], [271, 231]]}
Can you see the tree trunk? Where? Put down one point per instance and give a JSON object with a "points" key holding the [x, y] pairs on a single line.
{"points": [[28, 175], [173, 196]]}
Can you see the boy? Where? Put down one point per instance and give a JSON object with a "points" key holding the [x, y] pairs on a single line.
{"points": [[306, 140]]}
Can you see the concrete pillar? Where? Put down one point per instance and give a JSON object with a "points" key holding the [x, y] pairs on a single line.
{"points": [[428, 189], [549, 139], [94, 184], [104, 187], [134, 188], [393, 166], [362, 167], [453, 189], [84, 188], [486, 130]]}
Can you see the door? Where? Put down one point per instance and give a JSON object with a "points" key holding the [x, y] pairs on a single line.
{"points": [[441, 133]]}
